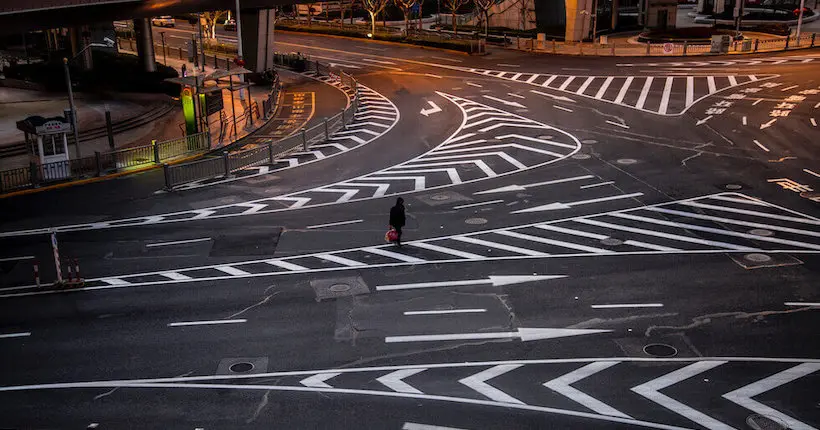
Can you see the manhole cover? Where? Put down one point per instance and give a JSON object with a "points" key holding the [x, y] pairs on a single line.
{"points": [[761, 232], [660, 350], [758, 258], [545, 137], [339, 288], [762, 422], [439, 197], [611, 241], [241, 367], [626, 161], [588, 141], [733, 187], [580, 156], [476, 221]]}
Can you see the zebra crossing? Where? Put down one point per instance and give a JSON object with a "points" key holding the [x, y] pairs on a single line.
{"points": [[660, 95], [375, 116], [489, 143], [718, 223], [658, 393]]}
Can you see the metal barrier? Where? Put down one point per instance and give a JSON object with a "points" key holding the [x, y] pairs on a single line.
{"points": [[101, 164]]}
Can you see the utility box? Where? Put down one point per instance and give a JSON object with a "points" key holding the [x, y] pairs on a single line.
{"points": [[747, 45], [720, 44]]}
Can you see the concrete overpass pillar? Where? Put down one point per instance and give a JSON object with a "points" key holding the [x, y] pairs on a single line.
{"points": [[720, 6], [579, 16], [257, 39], [615, 7], [145, 44]]}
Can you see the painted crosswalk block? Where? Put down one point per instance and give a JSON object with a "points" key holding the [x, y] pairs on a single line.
{"points": [[774, 61], [670, 394], [363, 129], [489, 143], [661, 95], [719, 223]]}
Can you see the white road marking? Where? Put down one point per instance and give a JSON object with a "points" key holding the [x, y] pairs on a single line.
{"points": [[813, 122], [743, 396], [624, 88], [760, 145], [231, 270], [732, 80], [532, 78], [286, 265], [756, 102], [474, 85], [11, 335], [478, 382], [554, 97], [495, 281], [690, 90], [318, 380], [562, 108], [666, 235], [447, 59], [175, 276], [490, 244], [644, 92], [491, 202], [585, 85], [600, 184], [651, 390], [559, 205], [341, 260], [549, 81], [553, 242], [562, 385], [817, 105], [744, 120], [394, 380], [445, 312], [806, 220], [812, 173], [710, 80], [27, 257], [802, 304], [628, 305], [394, 255], [667, 90], [789, 88], [734, 221], [617, 123], [604, 87], [369, 60], [537, 184], [213, 322], [416, 426], [518, 96], [566, 83], [448, 251], [507, 65], [524, 333], [433, 76], [331, 224], [702, 121]]}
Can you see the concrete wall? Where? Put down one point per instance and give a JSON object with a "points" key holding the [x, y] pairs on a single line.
{"points": [[508, 13], [579, 13]]}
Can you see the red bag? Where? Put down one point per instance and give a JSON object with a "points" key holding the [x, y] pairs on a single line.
{"points": [[391, 236]]}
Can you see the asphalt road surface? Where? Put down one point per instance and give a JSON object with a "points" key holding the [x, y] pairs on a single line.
{"points": [[591, 243]]}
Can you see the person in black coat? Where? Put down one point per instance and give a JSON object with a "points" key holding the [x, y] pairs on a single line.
{"points": [[397, 220]]}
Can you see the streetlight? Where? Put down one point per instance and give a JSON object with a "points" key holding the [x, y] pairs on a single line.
{"points": [[108, 44], [239, 47], [800, 20], [164, 59]]}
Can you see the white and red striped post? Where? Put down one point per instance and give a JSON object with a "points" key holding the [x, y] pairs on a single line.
{"points": [[77, 271], [56, 251], [70, 271]]}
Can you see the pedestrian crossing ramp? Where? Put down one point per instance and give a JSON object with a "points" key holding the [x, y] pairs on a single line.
{"points": [[661, 95], [718, 223]]}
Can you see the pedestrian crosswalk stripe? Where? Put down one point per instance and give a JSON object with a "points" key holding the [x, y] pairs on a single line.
{"points": [[753, 213], [560, 243], [286, 265], [501, 246], [393, 255], [734, 221], [449, 251], [341, 260]]}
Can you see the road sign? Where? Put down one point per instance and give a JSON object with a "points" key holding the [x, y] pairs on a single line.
{"points": [[667, 48], [213, 103]]}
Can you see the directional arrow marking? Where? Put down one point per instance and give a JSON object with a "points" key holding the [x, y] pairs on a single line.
{"points": [[537, 184], [558, 205], [562, 383], [650, 390], [523, 333], [743, 396], [554, 97], [394, 380], [515, 104], [495, 281], [350, 66], [318, 380], [478, 382], [701, 121], [767, 124], [433, 109]]}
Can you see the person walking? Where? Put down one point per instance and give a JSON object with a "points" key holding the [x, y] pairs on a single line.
{"points": [[184, 70], [397, 219]]}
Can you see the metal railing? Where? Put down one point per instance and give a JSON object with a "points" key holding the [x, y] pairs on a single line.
{"points": [[227, 163], [103, 163]]}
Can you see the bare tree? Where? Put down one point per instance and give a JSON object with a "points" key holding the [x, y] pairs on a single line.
{"points": [[405, 6], [483, 7], [453, 6], [421, 12], [211, 19], [374, 7], [343, 6]]}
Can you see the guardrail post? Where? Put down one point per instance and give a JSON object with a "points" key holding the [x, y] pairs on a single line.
{"points": [[787, 42], [612, 49], [757, 41], [98, 162], [344, 121], [685, 47], [270, 153], [647, 48], [813, 36], [156, 150], [304, 139], [166, 170], [553, 46], [33, 172], [327, 132], [226, 163]]}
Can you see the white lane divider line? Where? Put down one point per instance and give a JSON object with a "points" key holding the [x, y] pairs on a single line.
{"points": [[331, 224], [562, 385], [617, 124], [628, 305], [474, 85], [562, 108], [27, 257], [813, 122], [491, 202], [801, 304], [394, 380], [789, 88], [416, 426], [651, 390], [810, 172], [213, 322], [446, 311], [600, 184], [761, 145], [744, 120], [11, 335]]}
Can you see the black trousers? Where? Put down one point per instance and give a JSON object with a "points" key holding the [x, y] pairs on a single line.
{"points": [[398, 233]]}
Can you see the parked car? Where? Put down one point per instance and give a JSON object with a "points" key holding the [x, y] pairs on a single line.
{"points": [[229, 25], [163, 21]]}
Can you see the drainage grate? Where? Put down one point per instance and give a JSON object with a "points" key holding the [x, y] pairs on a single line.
{"points": [[758, 258], [244, 365], [611, 241], [475, 221], [442, 198], [660, 350], [733, 187], [761, 232], [626, 161], [241, 367], [581, 156]]}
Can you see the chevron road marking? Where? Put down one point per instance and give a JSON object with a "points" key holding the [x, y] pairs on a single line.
{"points": [[743, 396], [478, 382], [318, 380], [394, 380], [651, 390], [562, 385]]}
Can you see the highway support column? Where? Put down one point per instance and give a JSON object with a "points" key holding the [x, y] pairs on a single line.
{"points": [[257, 39], [145, 44]]}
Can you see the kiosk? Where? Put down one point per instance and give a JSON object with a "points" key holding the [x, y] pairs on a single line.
{"points": [[47, 143]]}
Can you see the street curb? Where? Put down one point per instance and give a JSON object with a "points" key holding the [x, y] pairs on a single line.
{"points": [[383, 42]]}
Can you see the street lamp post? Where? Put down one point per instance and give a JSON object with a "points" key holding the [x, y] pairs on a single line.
{"points": [[239, 47], [164, 59], [800, 20], [108, 43]]}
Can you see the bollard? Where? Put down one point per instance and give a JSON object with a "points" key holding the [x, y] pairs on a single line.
{"points": [[98, 162], [70, 272], [787, 43], [327, 132], [166, 170], [581, 48], [270, 153], [344, 122], [37, 273], [33, 172], [757, 41], [813, 36], [226, 163], [216, 62], [77, 271], [612, 49], [553, 46], [156, 150], [180, 53], [304, 140], [647, 48], [685, 46]]}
